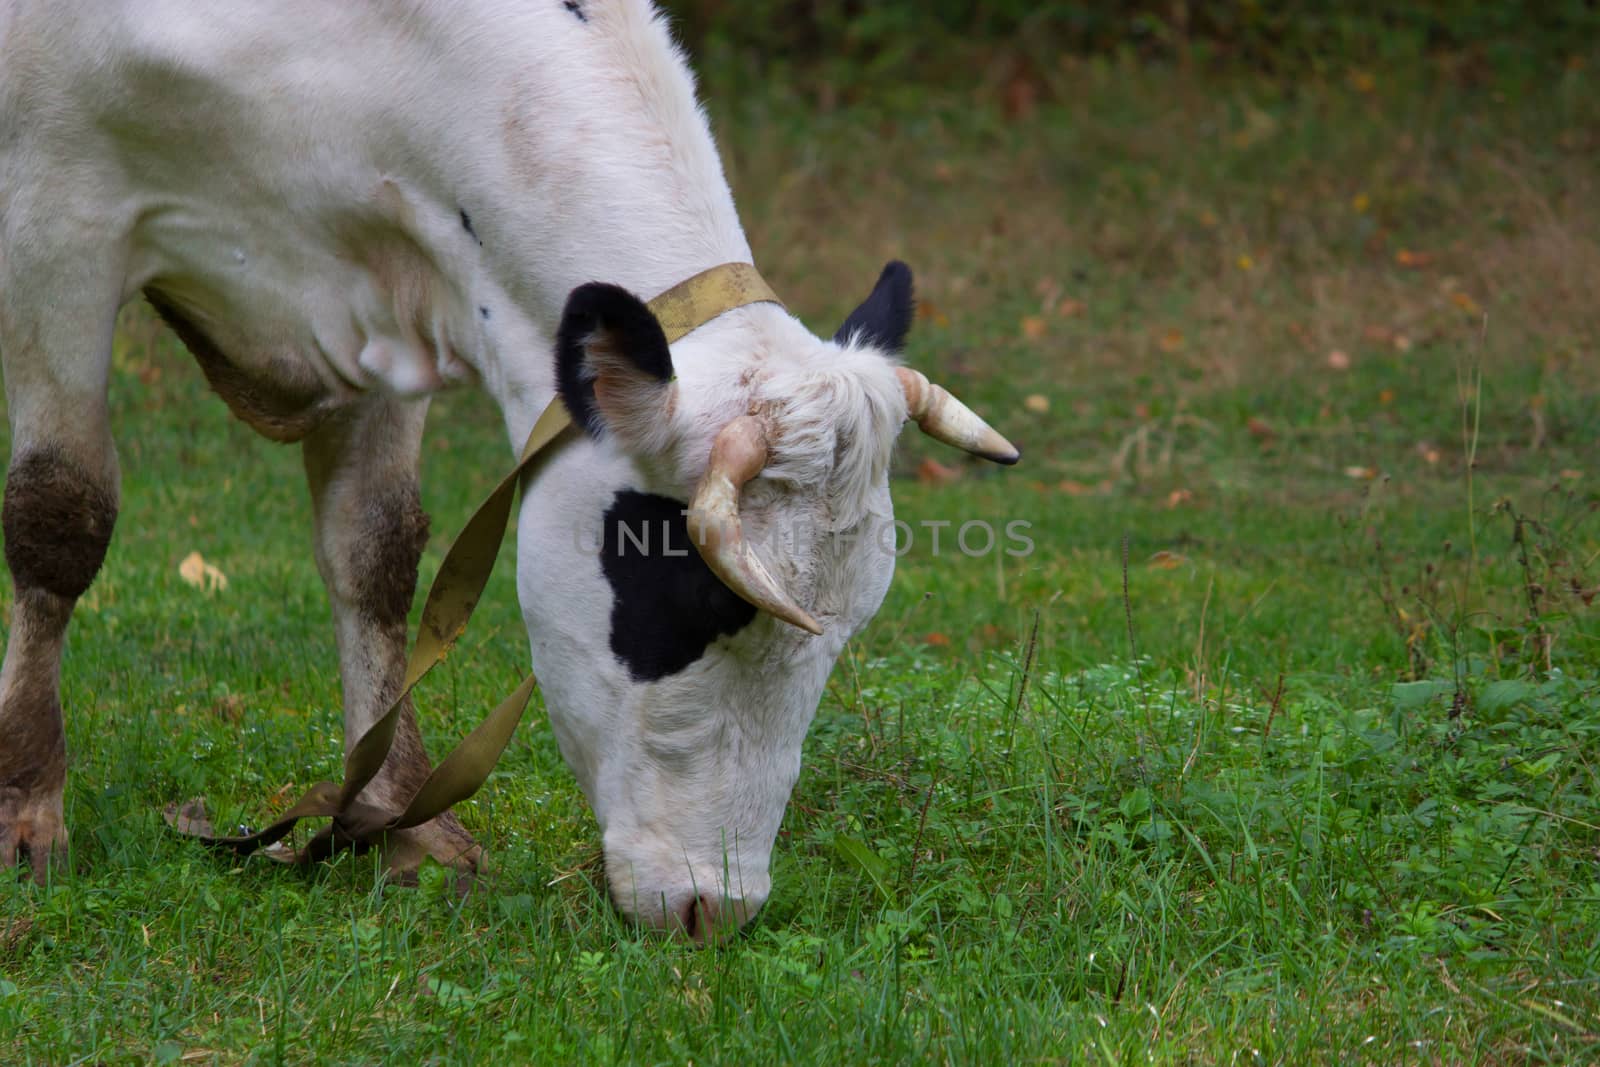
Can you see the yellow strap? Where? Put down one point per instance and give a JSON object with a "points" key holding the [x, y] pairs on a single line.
{"points": [[451, 599], [691, 304]]}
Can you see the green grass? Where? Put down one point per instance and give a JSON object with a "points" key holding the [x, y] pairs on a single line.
{"points": [[1320, 787]]}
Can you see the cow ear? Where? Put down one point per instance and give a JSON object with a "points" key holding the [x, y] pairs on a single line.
{"points": [[613, 368], [885, 318]]}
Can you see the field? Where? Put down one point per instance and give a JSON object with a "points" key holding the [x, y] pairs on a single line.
{"points": [[1282, 746]]}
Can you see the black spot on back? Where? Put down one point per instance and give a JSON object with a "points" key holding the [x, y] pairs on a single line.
{"points": [[667, 606], [576, 9], [466, 224], [483, 311]]}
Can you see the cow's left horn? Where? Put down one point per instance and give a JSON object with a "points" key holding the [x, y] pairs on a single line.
{"points": [[944, 418], [737, 455]]}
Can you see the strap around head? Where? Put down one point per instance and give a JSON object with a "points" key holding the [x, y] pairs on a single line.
{"points": [[696, 301]]}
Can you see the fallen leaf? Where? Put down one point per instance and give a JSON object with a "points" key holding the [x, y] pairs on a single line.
{"points": [[1360, 474], [1166, 561], [1074, 488], [1386, 397], [932, 472], [943, 171], [1033, 327], [936, 639], [202, 575], [1465, 303], [1412, 260], [1571, 475], [1209, 219], [1362, 81], [1178, 497], [1244, 262], [1260, 429], [1338, 359], [1359, 203], [1170, 341], [1021, 98], [1070, 307], [1037, 403], [1402, 343]]}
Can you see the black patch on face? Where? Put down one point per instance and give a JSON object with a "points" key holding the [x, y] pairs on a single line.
{"points": [[885, 318], [466, 224], [631, 333], [666, 606], [576, 9]]}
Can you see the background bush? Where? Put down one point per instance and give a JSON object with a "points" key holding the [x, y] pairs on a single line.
{"points": [[1278, 35]]}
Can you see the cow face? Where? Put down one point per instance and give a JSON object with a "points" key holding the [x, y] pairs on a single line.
{"points": [[691, 572]]}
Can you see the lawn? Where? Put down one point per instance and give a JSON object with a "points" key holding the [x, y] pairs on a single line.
{"points": [[1279, 747]]}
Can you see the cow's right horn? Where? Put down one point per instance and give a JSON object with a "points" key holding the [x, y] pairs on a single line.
{"points": [[737, 455], [944, 418]]}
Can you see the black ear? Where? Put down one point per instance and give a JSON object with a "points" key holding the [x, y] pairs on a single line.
{"points": [[885, 318], [613, 368]]}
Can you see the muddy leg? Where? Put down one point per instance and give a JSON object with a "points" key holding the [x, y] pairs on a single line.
{"points": [[371, 529], [59, 510]]}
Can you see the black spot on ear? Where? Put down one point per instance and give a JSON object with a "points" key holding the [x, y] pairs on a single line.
{"points": [[666, 606], [576, 9], [466, 224], [630, 332], [885, 318]]}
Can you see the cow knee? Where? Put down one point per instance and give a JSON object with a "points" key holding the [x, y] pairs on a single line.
{"points": [[384, 553], [57, 517]]}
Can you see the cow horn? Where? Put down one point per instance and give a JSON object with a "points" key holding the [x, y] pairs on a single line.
{"points": [[737, 455], [944, 418]]}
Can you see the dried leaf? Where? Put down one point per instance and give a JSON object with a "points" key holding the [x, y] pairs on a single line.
{"points": [[202, 575], [1179, 497], [1070, 307], [1166, 561], [1465, 303], [1362, 474], [1033, 327], [1338, 359], [1244, 262], [936, 639], [1412, 260], [1037, 403], [932, 472], [1171, 340], [1260, 429]]}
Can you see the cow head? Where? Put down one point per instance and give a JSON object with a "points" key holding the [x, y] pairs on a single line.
{"points": [[690, 574]]}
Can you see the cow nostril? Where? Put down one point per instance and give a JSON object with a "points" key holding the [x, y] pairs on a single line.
{"points": [[691, 918], [701, 918]]}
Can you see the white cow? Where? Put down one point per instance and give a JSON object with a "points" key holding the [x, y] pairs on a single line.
{"points": [[342, 206]]}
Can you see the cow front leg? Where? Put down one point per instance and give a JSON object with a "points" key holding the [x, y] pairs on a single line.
{"points": [[60, 506], [371, 529]]}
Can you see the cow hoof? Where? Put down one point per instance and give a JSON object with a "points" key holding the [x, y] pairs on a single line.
{"points": [[33, 830], [443, 839]]}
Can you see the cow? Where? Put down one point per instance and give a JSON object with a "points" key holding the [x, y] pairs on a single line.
{"points": [[342, 208]]}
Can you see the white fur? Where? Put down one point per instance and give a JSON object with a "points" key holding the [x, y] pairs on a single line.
{"points": [[293, 174]]}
